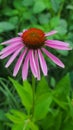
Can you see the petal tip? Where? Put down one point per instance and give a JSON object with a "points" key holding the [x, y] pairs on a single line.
{"points": [[24, 78], [14, 74], [62, 66], [6, 66]]}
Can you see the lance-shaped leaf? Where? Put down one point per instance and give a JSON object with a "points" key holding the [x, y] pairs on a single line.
{"points": [[23, 94]]}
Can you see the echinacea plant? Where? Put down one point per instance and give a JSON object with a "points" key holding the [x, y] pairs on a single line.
{"points": [[29, 47], [32, 44]]}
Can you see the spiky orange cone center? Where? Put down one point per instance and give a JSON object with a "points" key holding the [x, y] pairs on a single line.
{"points": [[33, 38]]}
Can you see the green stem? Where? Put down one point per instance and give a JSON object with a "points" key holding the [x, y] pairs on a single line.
{"points": [[61, 7], [33, 89]]}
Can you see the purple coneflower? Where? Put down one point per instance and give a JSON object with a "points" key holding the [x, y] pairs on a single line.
{"points": [[30, 46]]}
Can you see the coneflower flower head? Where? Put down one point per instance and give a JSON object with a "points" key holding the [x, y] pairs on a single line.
{"points": [[34, 38], [30, 46]]}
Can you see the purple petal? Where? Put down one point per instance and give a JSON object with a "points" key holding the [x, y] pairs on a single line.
{"points": [[7, 53], [59, 47], [25, 67], [33, 64], [53, 58], [57, 44], [37, 65], [42, 63], [13, 57], [19, 62], [16, 39], [51, 33], [8, 48]]}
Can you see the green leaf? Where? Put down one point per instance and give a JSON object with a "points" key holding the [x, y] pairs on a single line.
{"points": [[42, 107], [1, 47], [54, 21], [55, 5], [58, 121], [52, 82], [17, 4], [62, 27], [47, 3], [10, 12], [51, 118], [28, 2], [44, 18], [62, 52], [43, 99], [70, 105], [6, 26], [17, 127], [1, 126], [16, 116], [70, 7], [61, 104], [39, 6], [62, 90], [24, 95], [68, 125], [14, 20], [2, 115], [42, 87], [28, 88], [33, 126], [25, 126]]}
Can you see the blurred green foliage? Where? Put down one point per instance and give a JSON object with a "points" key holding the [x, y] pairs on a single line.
{"points": [[53, 108], [47, 15]]}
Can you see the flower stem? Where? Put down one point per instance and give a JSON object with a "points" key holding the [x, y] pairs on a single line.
{"points": [[33, 89]]}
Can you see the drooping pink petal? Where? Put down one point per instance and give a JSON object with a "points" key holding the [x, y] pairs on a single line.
{"points": [[42, 62], [16, 39], [59, 47], [25, 67], [53, 58], [9, 52], [37, 64], [51, 33], [8, 48], [19, 62], [57, 44], [33, 64], [13, 57]]}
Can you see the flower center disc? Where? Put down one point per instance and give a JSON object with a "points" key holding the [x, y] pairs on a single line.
{"points": [[33, 38]]}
